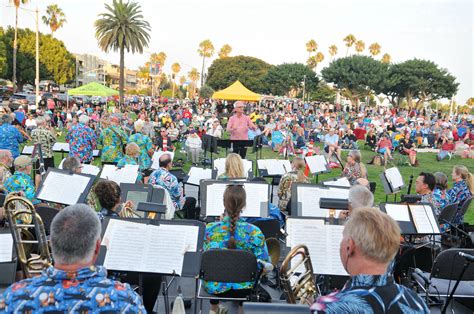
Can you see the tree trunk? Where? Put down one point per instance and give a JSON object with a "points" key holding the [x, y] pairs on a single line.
{"points": [[122, 73], [202, 72], [15, 48]]}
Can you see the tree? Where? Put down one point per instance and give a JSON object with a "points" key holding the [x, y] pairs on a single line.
{"points": [[122, 28], [3, 55], [386, 58], [248, 70], [357, 76], [350, 41], [225, 51], [288, 78], [182, 80], [359, 46], [206, 50], [55, 18], [323, 93], [159, 57], [332, 51], [193, 75], [374, 49], [311, 46], [206, 91], [175, 67], [16, 4], [313, 61]]}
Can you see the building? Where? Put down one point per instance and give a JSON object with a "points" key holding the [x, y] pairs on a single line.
{"points": [[89, 68], [113, 77]]}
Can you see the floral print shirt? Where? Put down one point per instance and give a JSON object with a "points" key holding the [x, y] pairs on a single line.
{"points": [[21, 182], [46, 138], [247, 236], [168, 181], [87, 290], [10, 139], [112, 140], [459, 193], [82, 142], [145, 144], [284, 189], [440, 200], [371, 294]]}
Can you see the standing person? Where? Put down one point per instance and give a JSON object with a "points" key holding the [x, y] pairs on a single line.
{"points": [[82, 140], [113, 140], [6, 162], [10, 136], [193, 146], [46, 138], [163, 141], [238, 126], [145, 145]]}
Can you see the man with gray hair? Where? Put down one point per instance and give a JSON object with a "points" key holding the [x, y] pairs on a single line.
{"points": [[10, 136], [6, 162], [73, 284], [238, 127], [82, 140], [359, 197], [46, 138], [72, 164]]}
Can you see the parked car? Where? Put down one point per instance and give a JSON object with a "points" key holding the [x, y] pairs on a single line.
{"points": [[28, 101], [5, 93]]}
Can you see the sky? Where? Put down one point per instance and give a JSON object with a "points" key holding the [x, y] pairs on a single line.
{"points": [[276, 30]]}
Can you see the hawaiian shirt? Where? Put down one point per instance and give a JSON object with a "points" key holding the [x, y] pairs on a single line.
{"points": [[145, 144], [20, 181], [168, 181], [459, 193], [46, 138], [440, 200], [112, 140], [4, 174], [82, 142], [247, 237], [10, 139], [371, 294], [104, 212], [87, 290], [127, 160]]}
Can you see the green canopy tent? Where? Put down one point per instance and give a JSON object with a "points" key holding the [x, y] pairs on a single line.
{"points": [[92, 89]]}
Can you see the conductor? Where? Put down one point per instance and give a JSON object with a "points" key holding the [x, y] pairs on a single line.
{"points": [[238, 126]]}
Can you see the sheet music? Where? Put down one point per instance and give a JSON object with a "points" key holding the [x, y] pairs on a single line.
{"points": [[342, 182], [424, 219], [197, 174], [309, 196], [274, 166], [215, 199], [86, 168], [156, 158], [219, 164], [61, 147], [398, 212], [6, 247], [394, 177], [256, 194], [27, 150], [127, 174], [146, 248], [317, 163], [323, 243], [95, 153], [63, 188], [191, 235]]}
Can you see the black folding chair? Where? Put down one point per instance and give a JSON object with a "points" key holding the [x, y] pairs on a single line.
{"points": [[232, 266], [465, 206], [448, 213], [47, 214], [270, 228]]}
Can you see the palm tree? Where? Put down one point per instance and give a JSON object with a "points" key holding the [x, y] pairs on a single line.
{"points": [[332, 51], [122, 27], [182, 80], [311, 62], [16, 3], [206, 50], [386, 58], [311, 46], [55, 18], [374, 49], [349, 40], [175, 67], [225, 51], [359, 46], [193, 75]]}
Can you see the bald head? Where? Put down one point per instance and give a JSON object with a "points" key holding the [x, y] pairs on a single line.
{"points": [[165, 161]]}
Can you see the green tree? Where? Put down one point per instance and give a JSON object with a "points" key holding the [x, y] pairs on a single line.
{"points": [[16, 4], [350, 40], [193, 75], [55, 18], [122, 28], [332, 51], [3, 55], [357, 76], [311, 46], [206, 91], [225, 51], [206, 50], [288, 78], [323, 92], [248, 70]]}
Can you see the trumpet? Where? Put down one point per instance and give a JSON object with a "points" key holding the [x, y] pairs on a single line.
{"points": [[128, 211]]}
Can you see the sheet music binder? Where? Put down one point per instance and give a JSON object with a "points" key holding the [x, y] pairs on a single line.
{"points": [[387, 186], [64, 148], [186, 178], [83, 196], [326, 170], [409, 227], [297, 205], [8, 269], [263, 172], [204, 201]]}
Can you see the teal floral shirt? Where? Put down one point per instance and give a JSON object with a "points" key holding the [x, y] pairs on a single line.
{"points": [[145, 144], [127, 160], [247, 236], [21, 182], [111, 140]]}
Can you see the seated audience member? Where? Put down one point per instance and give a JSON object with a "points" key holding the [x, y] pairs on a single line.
{"points": [[6, 162], [440, 197], [359, 197], [371, 140], [354, 168], [233, 233], [234, 167], [72, 164], [300, 139], [215, 129], [21, 180], [384, 146], [349, 140], [370, 241], [447, 150], [407, 146], [287, 147], [73, 284], [296, 175], [194, 146], [331, 144], [163, 141], [132, 153], [463, 188], [424, 186]]}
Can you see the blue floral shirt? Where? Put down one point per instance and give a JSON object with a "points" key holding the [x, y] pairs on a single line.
{"points": [[127, 160], [21, 182], [82, 142], [145, 144], [87, 290], [165, 179], [10, 139], [459, 193], [112, 140], [440, 200], [371, 294], [248, 237]]}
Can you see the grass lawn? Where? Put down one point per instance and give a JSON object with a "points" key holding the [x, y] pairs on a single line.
{"points": [[427, 163]]}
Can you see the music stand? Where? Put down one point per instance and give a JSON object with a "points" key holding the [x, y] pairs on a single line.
{"points": [[209, 144], [266, 170], [137, 193], [317, 164], [306, 198], [392, 182], [8, 273]]}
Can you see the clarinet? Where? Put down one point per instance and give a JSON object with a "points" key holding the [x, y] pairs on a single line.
{"points": [[409, 184]]}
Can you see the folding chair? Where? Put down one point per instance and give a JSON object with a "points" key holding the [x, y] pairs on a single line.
{"points": [[464, 207], [232, 266], [270, 228], [47, 214], [448, 213]]}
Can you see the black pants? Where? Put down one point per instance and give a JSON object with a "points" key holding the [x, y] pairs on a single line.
{"points": [[151, 285], [190, 210], [241, 150]]}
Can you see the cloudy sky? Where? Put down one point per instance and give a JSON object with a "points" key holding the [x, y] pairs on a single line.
{"points": [[277, 30]]}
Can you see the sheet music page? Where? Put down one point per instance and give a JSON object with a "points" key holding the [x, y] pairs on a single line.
{"points": [[191, 235], [197, 174], [424, 219], [215, 199], [398, 212], [262, 164], [63, 188], [127, 174], [219, 164], [156, 158], [298, 228], [275, 167], [165, 249], [316, 163], [342, 182], [256, 194], [61, 146], [342, 194], [394, 177], [286, 165], [90, 169], [309, 197], [27, 150], [95, 152], [6, 247]]}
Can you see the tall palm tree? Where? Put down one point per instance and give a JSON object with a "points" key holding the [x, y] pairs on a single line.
{"points": [[332, 51], [55, 18], [374, 49], [386, 58], [206, 50], [175, 67], [225, 51], [122, 27], [193, 75], [311, 62], [350, 41], [311, 46], [16, 3], [182, 80], [359, 46]]}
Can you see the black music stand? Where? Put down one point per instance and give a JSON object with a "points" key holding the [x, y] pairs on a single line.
{"points": [[224, 144], [257, 146], [389, 189], [209, 144]]}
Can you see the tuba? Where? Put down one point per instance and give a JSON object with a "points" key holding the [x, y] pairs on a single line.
{"points": [[22, 217], [297, 280]]}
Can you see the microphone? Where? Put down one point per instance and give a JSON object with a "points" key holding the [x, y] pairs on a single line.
{"points": [[420, 273], [467, 257]]}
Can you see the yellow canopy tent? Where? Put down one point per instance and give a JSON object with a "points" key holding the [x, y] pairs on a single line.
{"points": [[236, 91]]}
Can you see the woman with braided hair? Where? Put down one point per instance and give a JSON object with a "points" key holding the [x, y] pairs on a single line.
{"points": [[233, 233]]}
